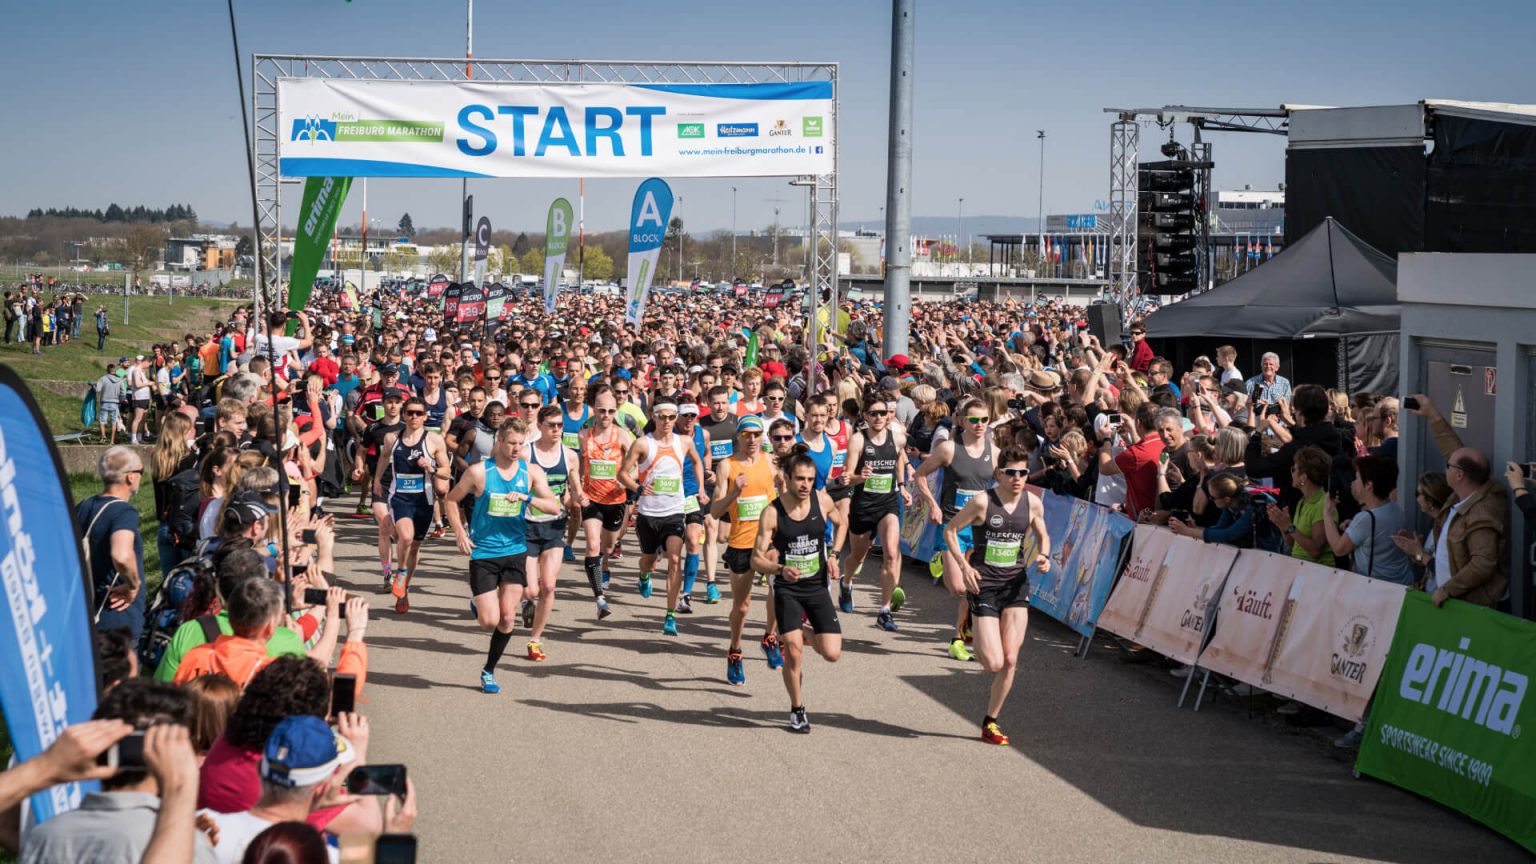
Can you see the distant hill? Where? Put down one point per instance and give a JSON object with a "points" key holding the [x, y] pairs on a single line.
{"points": [[933, 225]]}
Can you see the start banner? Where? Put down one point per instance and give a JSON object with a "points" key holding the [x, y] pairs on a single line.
{"points": [[353, 128], [1447, 719]]}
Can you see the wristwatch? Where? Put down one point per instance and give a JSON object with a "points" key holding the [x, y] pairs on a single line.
{"points": [[1290, 529]]}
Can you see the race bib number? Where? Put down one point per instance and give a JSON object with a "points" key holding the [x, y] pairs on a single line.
{"points": [[880, 483], [666, 485], [410, 483], [839, 458], [691, 504], [807, 565], [964, 496], [721, 449], [571, 439], [502, 508], [1002, 553], [750, 507], [604, 469]]}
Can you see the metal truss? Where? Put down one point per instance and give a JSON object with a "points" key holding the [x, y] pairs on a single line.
{"points": [[267, 69], [1124, 143]]}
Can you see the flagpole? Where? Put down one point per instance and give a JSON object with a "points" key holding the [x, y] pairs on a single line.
{"points": [[362, 279], [581, 241]]}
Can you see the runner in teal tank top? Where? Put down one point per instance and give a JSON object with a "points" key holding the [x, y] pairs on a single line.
{"points": [[504, 487]]}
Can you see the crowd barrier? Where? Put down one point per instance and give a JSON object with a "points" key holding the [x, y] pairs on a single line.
{"points": [[1088, 545]]}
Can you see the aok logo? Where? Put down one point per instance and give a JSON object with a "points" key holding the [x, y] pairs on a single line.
{"points": [[690, 130], [313, 129], [780, 129], [1465, 686]]}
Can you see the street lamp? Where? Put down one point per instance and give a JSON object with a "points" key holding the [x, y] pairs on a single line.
{"points": [[959, 226], [1040, 201], [733, 233]]}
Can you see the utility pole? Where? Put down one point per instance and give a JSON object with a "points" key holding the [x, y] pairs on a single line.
{"points": [[898, 209], [960, 230], [733, 234], [469, 53], [1040, 201]]}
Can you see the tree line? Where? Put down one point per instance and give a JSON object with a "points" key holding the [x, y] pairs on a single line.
{"points": [[117, 213]]}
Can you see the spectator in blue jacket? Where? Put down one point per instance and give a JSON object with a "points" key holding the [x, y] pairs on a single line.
{"points": [[1234, 523]]}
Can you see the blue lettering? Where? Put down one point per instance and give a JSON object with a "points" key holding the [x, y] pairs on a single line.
{"points": [[567, 138], [486, 135], [518, 112], [645, 115], [610, 131]]}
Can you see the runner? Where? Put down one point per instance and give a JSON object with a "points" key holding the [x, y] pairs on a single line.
{"points": [[365, 472], [602, 498], [440, 415], [693, 513], [420, 466], [546, 529], [877, 461], [656, 463], [1009, 534], [743, 488], [968, 469], [792, 546], [495, 542], [575, 417], [721, 430]]}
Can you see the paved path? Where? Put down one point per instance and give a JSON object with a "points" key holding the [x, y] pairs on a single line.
{"points": [[626, 745]]}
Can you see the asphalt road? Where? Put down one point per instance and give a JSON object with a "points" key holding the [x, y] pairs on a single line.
{"points": [[628, 745]]}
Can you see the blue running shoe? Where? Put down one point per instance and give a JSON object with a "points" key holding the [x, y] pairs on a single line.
{"points": [[884, 621], [898, 599], [570, 555], [604, 582], [645, 585], [845, 598], [488, 683], [711, 593], [772, 652], [735, 673], [669, 626]]}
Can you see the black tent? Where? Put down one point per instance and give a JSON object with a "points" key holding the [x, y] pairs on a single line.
{"points": [[1329, 301]]}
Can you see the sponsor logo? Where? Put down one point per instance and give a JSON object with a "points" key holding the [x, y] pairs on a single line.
{"points": [[1462, 685], [817, 149], [810, 127], [996, 521], [1357, 637], [313, 129], [365, 131], [1194, 617], [736, 130], [690, 130], [780, 129], [1249, 603]]}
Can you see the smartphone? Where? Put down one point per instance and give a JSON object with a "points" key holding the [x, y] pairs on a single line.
{"points": [[1162, 458], [295, 492], [1181, 515], [395, 849], [307, 536], [1411, 403], [1272, 410], [125, 754], [315, 596], [377, 780], [1525, 469], [343, 693]]}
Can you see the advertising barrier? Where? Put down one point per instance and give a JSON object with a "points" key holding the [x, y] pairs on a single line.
{"points": [[45, 637], [1447, 719], [1255, 600], [919, 533], [1122, 613], [1087, 545], [352, 128], [1181, 594]]}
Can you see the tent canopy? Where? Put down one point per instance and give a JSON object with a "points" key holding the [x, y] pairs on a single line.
{"points": [[1329, 283]]}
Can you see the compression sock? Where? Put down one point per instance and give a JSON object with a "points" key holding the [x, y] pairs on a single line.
{"points": [[690, 572], [594, 567], [499, 642]]}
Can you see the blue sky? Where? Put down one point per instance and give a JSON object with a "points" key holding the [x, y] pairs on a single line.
{"points": [[136, 102]]}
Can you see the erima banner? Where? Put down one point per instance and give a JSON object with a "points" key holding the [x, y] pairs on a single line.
{"points": [[557, 233], [45, 633], [648, 220], [350, 128], [323, 197], [1450, 709], [482, 248], [1086, 545]]}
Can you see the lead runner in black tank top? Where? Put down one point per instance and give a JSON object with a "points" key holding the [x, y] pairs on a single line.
{"points": [[1008, 529], [791, 547]]}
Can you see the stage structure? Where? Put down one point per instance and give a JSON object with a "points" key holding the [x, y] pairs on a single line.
{"points": [[452, 117]]}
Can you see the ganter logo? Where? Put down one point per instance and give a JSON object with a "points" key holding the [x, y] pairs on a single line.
{"points": [[1357, 637], [1460, 684]]}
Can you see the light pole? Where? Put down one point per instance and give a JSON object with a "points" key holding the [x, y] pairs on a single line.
{"points": [[959, 226], [733, 234], [1040, 201]]}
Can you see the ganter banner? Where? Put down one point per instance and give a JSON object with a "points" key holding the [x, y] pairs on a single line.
{"points": [[1256, 607], [351, 128], [648, 220], [1447, 719], [1182, 598], [557, 234], [1149, 548]]}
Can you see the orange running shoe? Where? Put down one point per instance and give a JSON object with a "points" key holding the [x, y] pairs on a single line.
{"points": [[397, 584], [536, 652], [991, 734], [402, 605]]}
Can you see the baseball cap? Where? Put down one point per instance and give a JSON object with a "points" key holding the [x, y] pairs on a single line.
{"points": [[390, 369], [688, 408], [900, 361], [889, 383], [248, 507], [394, 393], [303, 751], [750, 423]]}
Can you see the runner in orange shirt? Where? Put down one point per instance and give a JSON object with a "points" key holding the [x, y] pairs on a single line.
{"points": [[603, 499]]}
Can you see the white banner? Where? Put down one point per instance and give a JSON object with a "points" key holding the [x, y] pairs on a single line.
{"points": [[351, 128]]}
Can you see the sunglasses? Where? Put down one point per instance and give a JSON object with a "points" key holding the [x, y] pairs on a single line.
{"points": [[783, 437], [553, 424], [774, 398], [415, 413], [665, 418], [1015, 472], [530, 404], [493, 377], [750, 432], [877, 413], [977, 421], [606, 412], [621, 392]]}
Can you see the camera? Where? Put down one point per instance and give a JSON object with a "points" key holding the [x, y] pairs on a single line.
{"points": [[125, 754], [1411, 403], [1018, 404]]}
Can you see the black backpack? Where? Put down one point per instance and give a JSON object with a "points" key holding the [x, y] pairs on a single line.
{"points": [[1265, 536], [183, 499], [164, 615]]}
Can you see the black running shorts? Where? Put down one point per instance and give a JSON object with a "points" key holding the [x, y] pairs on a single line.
{"points": [[738, 560], [653, 531], [993, 599], [612, 515], [790, 601], [485, 574]]}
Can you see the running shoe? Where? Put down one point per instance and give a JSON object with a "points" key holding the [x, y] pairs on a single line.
{"points": [[991, 734], [669, 625], [389, 577], [711, 593], [798, 721], [604, 581], [437, 530], [936, 567], [618, 552], [402, 605], [762, 579], [735, 673], [397, 583], [884, 621], [362, 511], [488, 683], [898, 598], [645, 585], [602, 608], [684, 605], [1351, 739], [536, 651], [845, 598], [772, 652], [958, 650], [570, 555], [527, 610]]}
